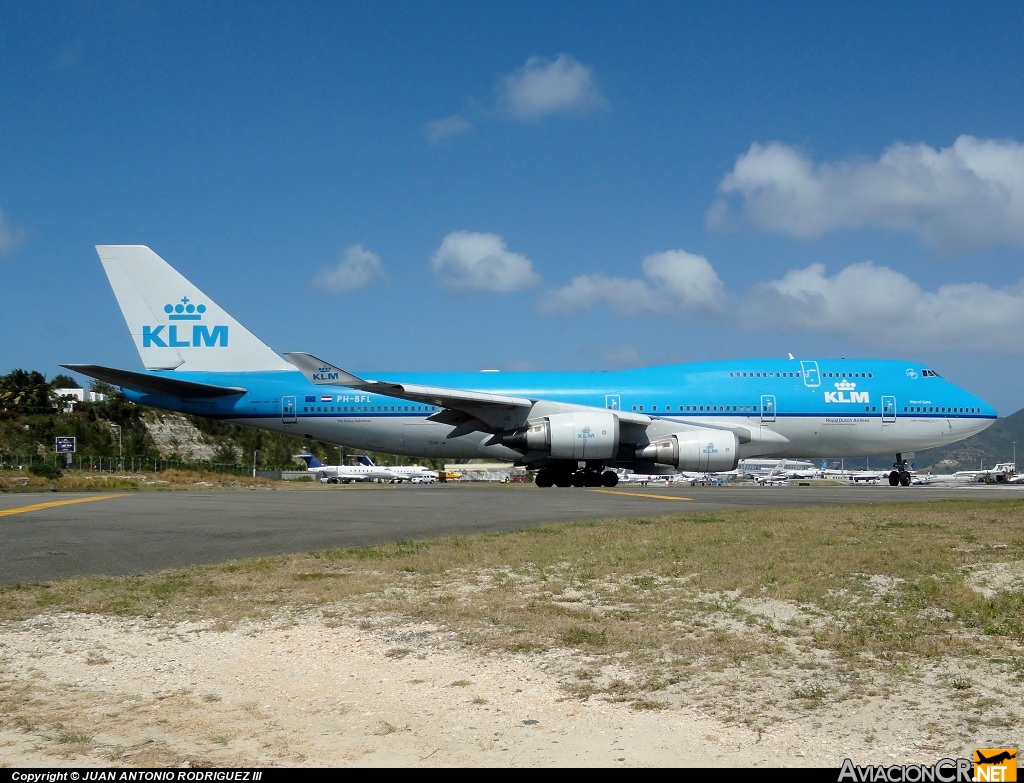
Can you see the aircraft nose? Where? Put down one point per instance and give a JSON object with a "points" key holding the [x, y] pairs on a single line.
{"points": [[987, 410], [987, 417]]}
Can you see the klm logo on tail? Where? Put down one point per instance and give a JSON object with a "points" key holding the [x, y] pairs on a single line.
{"points": [[846, 393], [199, 336]]}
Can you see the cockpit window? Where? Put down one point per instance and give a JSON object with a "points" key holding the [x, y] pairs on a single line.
{"points": [[930, 374]]}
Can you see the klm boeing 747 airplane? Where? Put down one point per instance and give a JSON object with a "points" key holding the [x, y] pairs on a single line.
{"points": [[573, 428]]}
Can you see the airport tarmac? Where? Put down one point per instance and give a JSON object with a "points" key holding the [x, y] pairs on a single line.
{"points": [[52, 536]]}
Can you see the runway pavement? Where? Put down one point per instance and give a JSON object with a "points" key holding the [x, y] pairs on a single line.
{"points": [[51, 536]]}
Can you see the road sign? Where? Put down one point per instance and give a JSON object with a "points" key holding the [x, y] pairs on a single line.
{"points": [[66, 445]]}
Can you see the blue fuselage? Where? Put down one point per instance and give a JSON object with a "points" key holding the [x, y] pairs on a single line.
{"points": [[788, 408]]}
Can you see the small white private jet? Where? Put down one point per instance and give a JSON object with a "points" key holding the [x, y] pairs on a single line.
{"points": [[414, 474], [344, 474], [772, 480], [1001, 473], [644, 479]]}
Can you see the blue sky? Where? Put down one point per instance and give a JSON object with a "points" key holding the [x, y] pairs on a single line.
{"points": [[460, 186]]}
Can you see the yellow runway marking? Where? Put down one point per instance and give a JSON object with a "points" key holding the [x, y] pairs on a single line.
{"points": [[52, 504], [639, 494]]}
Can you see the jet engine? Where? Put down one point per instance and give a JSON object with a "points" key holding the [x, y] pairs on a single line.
{"points": [[696, 450], [582, 435]]}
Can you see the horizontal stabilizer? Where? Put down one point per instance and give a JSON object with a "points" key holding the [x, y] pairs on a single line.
{"points": [[326, 374], [154, 384]]}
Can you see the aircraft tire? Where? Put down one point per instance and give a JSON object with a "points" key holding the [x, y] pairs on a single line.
{"points": [[904, 479], [609, 478], [563, 480], [544, 479], [894, 479]]}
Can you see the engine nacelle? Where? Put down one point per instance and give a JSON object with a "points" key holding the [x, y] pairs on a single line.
{"points": [[697, 450], [579, 435]]}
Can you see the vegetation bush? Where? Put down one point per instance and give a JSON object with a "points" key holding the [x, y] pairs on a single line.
{"points": [[45, 470]]}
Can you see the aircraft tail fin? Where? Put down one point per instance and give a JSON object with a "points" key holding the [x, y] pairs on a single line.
{"points": [[310, 460], [365, 460], [175, 325]]}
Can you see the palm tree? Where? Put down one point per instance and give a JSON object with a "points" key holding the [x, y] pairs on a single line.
{"points": [[25, 391]]}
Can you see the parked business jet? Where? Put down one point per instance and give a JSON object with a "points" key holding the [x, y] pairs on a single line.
{"points": [[410, 473], [999, 474], [807, 473], [573, 428], [772, 480], [776, 477], [644, 479], [345, 474]]}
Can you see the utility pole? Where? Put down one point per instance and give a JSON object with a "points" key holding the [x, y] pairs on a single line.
{"points": [[120, 463]]}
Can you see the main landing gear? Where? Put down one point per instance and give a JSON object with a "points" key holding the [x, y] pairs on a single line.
{"points": [[587, 477], [900, 475]]}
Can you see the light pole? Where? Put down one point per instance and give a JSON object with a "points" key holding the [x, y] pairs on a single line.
{"points": [[120, 463]]}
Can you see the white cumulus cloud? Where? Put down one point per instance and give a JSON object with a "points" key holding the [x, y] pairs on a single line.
{"points": [[441, 130], [358, 268], [544, 86], [879, 306], [676, 281], [472, 261], [955, 198], [623, 357]]}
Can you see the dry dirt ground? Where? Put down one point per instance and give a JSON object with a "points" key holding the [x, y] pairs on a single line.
{"points": [[97, 691]]}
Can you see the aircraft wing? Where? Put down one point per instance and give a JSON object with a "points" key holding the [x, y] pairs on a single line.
{"points": [[498, 411], [154, 384]]}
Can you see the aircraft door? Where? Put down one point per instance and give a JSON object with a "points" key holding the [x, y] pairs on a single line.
{"points": [[287, 410], [812, 378], [612, 402], [888, 409], [767, 408]]}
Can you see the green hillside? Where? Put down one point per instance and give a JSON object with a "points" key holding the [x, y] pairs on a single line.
{"points": [[116, 431]]}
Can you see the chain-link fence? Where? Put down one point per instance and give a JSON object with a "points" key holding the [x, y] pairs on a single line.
{"points": [[114, 464]]}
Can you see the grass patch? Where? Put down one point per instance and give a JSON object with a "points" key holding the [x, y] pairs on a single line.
{"points": [[671, 599]]}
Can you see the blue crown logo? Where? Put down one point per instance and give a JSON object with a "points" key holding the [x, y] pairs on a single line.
{"points": [[184, 311], [324, 369]]}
